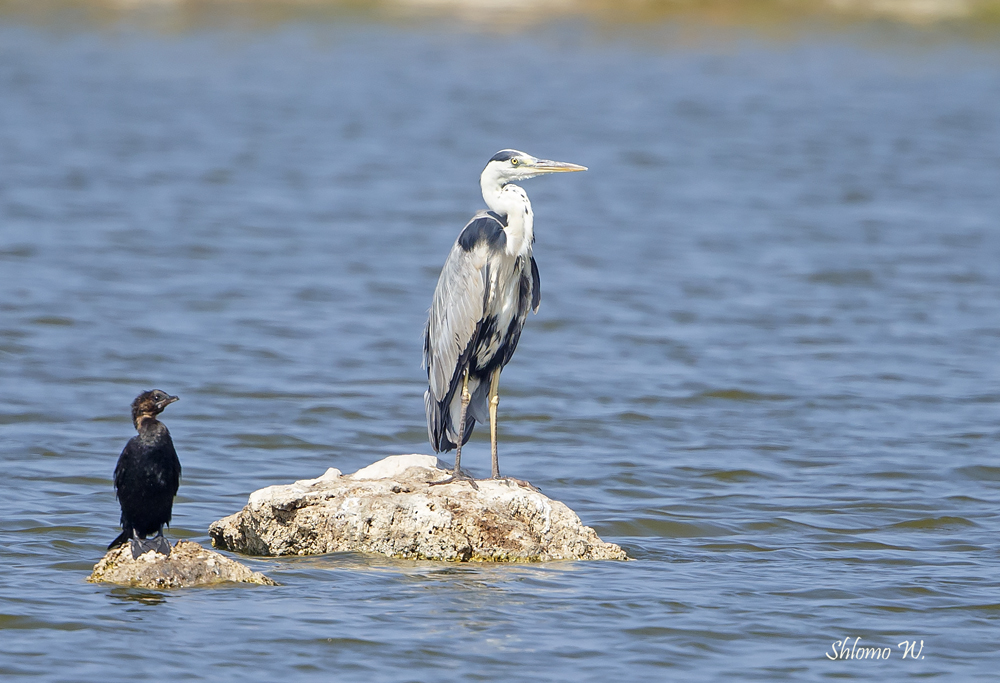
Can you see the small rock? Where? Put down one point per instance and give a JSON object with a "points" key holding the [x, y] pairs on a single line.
{"points": [[390, 508], [189, 565]]}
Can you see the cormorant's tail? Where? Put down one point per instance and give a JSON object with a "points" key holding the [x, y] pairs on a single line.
{"points": [[122, 539]]}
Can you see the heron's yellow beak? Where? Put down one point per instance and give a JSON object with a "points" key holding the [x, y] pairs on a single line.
{"points": [[547, 166]]}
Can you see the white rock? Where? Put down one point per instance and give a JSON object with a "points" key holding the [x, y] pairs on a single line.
{"points": [[394, 466], [390, 508], [189, 564], [331, 473]]}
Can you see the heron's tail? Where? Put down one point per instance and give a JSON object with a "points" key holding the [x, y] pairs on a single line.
{"points": [[442, 421], [433, 412]]}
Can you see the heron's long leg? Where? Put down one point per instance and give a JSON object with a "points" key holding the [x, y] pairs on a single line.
{"points": [[494, 402], [466, 397], [456, 473]]}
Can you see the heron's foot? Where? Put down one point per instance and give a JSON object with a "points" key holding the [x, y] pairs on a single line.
{"points": [[455, 477], [519, 482], [158, 544]]}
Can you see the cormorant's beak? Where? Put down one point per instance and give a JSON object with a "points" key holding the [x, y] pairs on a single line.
{"points": [[160, 405], [546, 166]]}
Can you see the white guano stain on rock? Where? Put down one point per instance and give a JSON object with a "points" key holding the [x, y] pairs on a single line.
{"points": [[188, 565], [390, 508]]}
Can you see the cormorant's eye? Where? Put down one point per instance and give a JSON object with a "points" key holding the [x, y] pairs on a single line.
{"points": [[514, 162]]}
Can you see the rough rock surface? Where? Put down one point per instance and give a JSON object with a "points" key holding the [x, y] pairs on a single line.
{"points": [[189, 565], [389, 508]]}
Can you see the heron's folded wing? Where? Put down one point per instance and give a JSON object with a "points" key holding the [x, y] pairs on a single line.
{"points": [[455, 315]]}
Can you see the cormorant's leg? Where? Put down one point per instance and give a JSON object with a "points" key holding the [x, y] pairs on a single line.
{"points": [[141, 545], [494, 402], [456, 473], [161, 544], [137, 544]]}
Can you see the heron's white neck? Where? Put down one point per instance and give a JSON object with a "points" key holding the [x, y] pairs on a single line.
{"points": [[511, 202]]}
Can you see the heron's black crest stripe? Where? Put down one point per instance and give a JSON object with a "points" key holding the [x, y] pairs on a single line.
{"points": [[504, 155], [484, 228]]}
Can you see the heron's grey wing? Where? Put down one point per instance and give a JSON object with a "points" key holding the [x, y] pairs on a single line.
{"points": [[457, 308], [536, 287]]}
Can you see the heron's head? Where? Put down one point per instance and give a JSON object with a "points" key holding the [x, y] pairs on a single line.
{"points": [[509, 165], [150, 404]]}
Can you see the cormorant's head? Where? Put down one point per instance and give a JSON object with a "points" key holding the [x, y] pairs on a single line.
{"points": [[509, 165], [150, 404]]}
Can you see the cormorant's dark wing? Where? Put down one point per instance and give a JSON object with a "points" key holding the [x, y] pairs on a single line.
{"points": [[122, 466], [121, 474], [172, 471]]}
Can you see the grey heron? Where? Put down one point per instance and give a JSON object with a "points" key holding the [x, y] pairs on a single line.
{"points": [[486, 287]]}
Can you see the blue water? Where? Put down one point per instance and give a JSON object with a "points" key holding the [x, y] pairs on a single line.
{"points": [[765, 361]]}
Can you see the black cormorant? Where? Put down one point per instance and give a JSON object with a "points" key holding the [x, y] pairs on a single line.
{"points": [[146, 477]]}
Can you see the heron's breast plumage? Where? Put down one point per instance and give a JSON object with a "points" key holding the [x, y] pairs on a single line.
{"points": [[504, 310]]}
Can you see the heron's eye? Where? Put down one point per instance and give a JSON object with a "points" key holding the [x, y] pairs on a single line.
{"points": [[514, 162]]}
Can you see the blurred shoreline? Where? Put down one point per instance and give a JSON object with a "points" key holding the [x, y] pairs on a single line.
{"points": [[767, 15]]}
